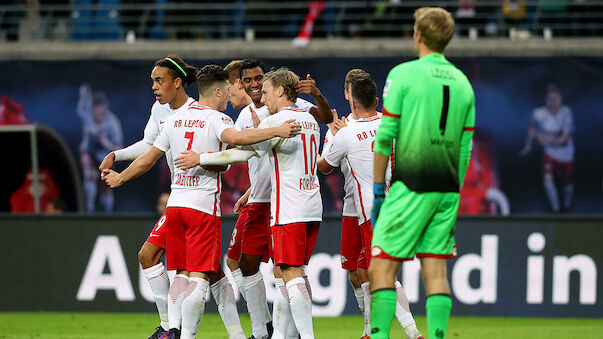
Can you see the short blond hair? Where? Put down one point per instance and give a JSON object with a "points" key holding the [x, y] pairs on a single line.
{"points": [[436, 26], [233, 70], [354, 75], [286, 78]]}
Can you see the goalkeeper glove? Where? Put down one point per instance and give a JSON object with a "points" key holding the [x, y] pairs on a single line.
{"points": [[379, 192]]}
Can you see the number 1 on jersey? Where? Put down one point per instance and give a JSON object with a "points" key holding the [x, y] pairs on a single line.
{"points": [[445, 103], [189, 136]]}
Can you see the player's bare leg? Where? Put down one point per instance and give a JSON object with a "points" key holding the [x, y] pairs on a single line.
{"points": [[438, 304], [156, 274], [382, 276], [223, 294], [300, 300], [177, 294], [255, 291]]}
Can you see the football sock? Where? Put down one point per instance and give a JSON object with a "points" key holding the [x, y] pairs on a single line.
{"points": [[383, 308], [160, 286], [193, 307], [238, 278], [176, 296], [256, 303], [292, 331], [404, 315], [551, 193], [359, 294], [106, 199], [280, 310], [366, 294], [223, 294], [568, 192], [438, 308], [301, 307], [90, 188], [308, 286]]}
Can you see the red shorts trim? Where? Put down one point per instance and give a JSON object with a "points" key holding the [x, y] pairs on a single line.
{"points": [[234, 246], [193, 239], [560, 169], [440, 256], [257, 237], [366, 234], [157, 235], [351, 243], [378, 252], [294, 243]]}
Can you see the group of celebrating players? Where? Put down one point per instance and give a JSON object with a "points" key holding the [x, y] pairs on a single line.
{"points": [[278, 134]]}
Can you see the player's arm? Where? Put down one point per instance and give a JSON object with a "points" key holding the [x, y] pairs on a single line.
{"points": [[322, 112], [129, 153], [250, 136], [332, 153], [465, 146], [137, 168], [238, 207]]}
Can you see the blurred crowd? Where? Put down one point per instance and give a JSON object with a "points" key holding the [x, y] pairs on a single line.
{"points": [[185, 19]]}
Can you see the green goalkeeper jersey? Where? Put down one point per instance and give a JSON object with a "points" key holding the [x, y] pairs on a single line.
{"points": [[429, 108]]}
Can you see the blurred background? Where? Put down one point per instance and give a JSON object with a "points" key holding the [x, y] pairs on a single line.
{"points": [[76, 85]]}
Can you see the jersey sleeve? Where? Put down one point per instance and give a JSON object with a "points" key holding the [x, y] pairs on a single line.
{"points": [[265, 146], [327, 143], [242, 119], [151, 130], [304, 104], [220, 122], [162, 142], [390, 120], [337, 150]]}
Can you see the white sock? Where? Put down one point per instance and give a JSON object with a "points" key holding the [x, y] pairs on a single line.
{"points": [[256, 303], [176, 296], [223, 294], [90, 189], [193, 307], [160, 286], [106, 199], [238, 278], [551, 193], [280, 310], [301, 307], [359, 294], [366, 290], [308, 286], [403, 311], [568, 192]]}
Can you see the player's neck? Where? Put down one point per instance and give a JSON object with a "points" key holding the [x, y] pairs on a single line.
{"points": [[424, 51], [179, 100], [364, 114], [258, 104], [284, 103], [209, 102]]}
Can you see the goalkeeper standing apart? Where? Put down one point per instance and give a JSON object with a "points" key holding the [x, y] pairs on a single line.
{"points": [[429, 108]]}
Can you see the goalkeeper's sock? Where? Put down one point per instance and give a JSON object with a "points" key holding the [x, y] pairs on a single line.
{"points": [[193, 307], [438, 308], [160, 286], [280, 310], [383, 308], [238, 278], [301, 306], [256, 303], [176, 296], [366, 296], [223, 294]]}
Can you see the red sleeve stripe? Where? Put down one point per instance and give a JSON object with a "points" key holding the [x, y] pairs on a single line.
{"points": [[468, 129], [388, 114]]}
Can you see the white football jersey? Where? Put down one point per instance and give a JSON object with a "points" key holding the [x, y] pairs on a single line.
{"points": [[554, 126], [259, 168], [353, 145], [196, 128], [349, 208], [159, 113], [295, 194]]}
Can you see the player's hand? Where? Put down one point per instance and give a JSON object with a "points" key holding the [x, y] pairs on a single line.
{"points": [[107, 162], [288, 129], [188, 159], [238, 207], [337, 124], [111, 178], [308, 86], [379, 192], [255, 118]]}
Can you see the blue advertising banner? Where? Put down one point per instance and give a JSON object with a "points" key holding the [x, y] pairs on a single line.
{"points": [[512, 94], [529, 266]]}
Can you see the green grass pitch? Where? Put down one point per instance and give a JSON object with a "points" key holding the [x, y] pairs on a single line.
{"points": [[138, 325]]}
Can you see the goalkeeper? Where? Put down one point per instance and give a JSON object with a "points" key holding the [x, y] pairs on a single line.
{"points": [[429, 108]]}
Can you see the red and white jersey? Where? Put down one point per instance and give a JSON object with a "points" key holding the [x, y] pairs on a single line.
{"points": [[259, 168], [349, 207], [196, 128], [554, 126], [295, 194], [159, 113], [353, 145]]}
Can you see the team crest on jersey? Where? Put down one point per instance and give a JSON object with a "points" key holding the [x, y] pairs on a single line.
{"points": [[388, 84], [343, 259], [227, 120], [376, 251]]}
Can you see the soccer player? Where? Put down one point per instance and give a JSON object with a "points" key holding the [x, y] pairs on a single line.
{"points": [[429, 108], [353, 146], [296, 205], [192, 220]]}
